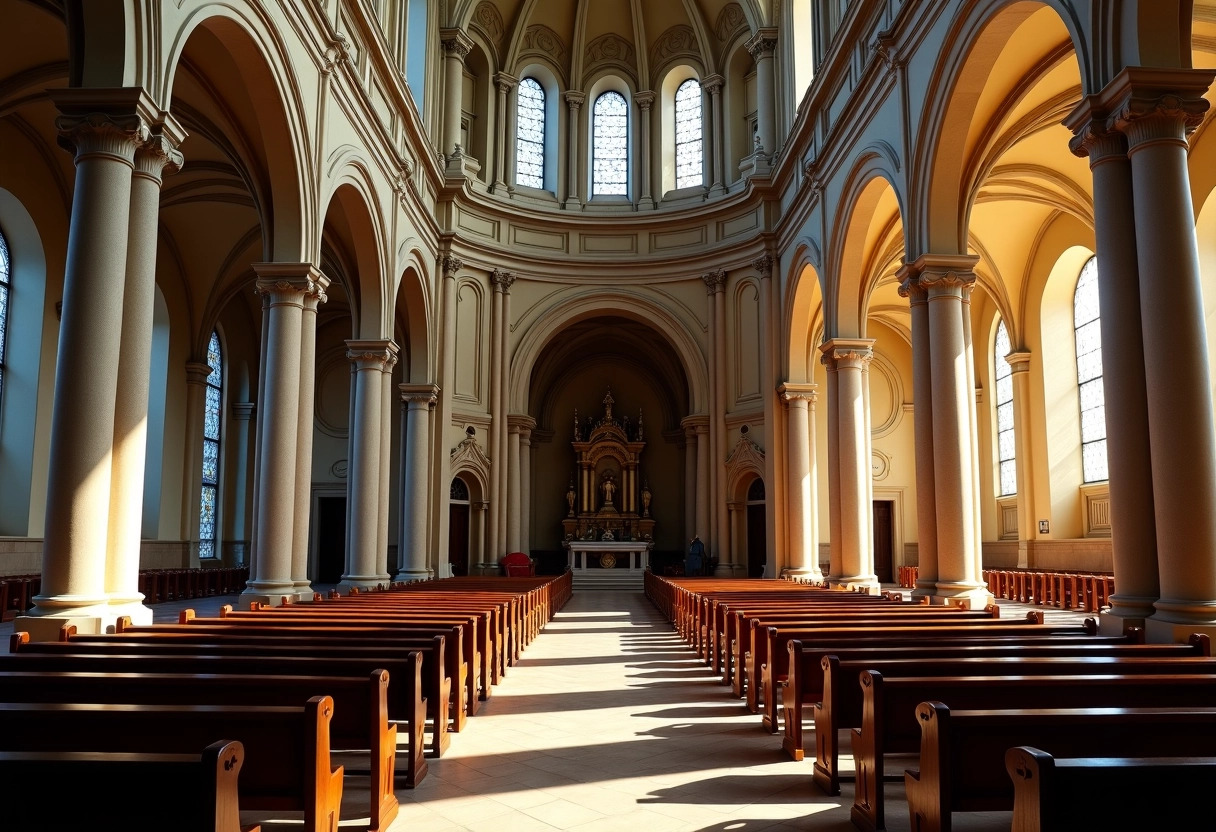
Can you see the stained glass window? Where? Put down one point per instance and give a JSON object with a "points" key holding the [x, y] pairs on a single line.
{"points": [[1088, 324], [1005, 438], [213, 409], [530, 135], [4, 289], [690, 149], [610, 145]]}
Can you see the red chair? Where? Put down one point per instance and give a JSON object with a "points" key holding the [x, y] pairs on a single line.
{"points": [[518, 565]]}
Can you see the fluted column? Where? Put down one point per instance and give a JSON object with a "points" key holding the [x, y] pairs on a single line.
{"points": [[364, 562], [853, 461], [504, 83], [718, 543], [574, 103], [304, 432], [456, 45], [713, 85], [156, 156], [947, 281], [287, 287], [103, 128], [1156, 111], [645, 100], [761, 46], [412, 551], [803, 557], [1125, 388], [922, 395]]}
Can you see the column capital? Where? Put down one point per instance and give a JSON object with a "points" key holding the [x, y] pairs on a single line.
{"points": [[1019, 362], [762, 44], [108, 122], [456, 43], [243, 411], [1145, 103], [419, 394], [160, 154], [375, 354], [520, 423], [715, 281], [197, 372], [696, 424], [644, 99], [764, 265], [937, 271], [502, 280], [792, 391], [505, 82], [575, 99], [449, 265], [713, 83], [859, 350], [282, 281]]}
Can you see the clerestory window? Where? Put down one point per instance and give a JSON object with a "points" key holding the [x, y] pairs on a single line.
{"points": [[1088, 332], [610, 145], [530, 141], [1005, 436], [208, 530]]}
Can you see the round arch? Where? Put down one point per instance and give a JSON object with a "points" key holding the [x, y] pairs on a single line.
{"points": [[803, 314], [414, 316], [350, 213]]}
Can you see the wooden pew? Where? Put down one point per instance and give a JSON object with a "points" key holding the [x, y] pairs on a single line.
{"points": [[1154, 792], [890, 726], [287, 755], [195, 792], [360, 716], [803, 687], [962, 752]]}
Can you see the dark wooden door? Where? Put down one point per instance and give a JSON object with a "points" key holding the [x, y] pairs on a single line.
{"points": [[757, 541], [331, 539], [458, 538], [884, 536]]}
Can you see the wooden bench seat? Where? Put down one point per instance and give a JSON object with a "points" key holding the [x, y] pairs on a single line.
{"points": [[360, 717], [287, 750], [195, 792], [890, 726], [1154, 792], [962, 752], [803, 687]]}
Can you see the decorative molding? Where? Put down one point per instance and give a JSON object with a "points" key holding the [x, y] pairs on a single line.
{"points": [[468, 457], [880, 465], [540, 38], [610, 48], [340, 469], [455, 43], [762, 43], [487, 18], [428, 393], [730, 20], [679, 40], [450, 265], [745, 458], [715, 281], [502, 280]]}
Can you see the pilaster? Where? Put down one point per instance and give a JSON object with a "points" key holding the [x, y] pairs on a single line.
{"points": [[417, 401]]}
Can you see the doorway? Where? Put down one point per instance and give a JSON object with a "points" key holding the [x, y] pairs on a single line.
{"points": [[458, 528], [757, 533], [331, 539], [884, 536]]}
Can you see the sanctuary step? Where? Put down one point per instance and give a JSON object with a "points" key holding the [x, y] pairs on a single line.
{"points": [[627, 580]]}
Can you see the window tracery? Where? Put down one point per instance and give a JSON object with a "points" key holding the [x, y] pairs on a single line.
{"points": [[690, 146], [1088, 333], [212, 411], [1005, 436], [610, 145], [530, 141], [4, 292]]}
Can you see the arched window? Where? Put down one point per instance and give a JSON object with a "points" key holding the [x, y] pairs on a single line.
{"points": [[690, 147], [1006, 448], [208, 536], [4, 288], [610, 145], [1087, 323], [530, 141]]}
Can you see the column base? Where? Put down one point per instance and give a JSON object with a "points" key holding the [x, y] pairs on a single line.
{"points": [[856, 583], [647, 203], [572, 205], [96, 619], [924, 589], [1111, 623], [362, 582], [1125, 611], [805, 574], [1174, 621], [304, 592], [266, 592], [409, 575], [976, 596]]}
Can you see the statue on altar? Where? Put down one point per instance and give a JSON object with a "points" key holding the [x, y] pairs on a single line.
{"points": [[608, 487]]}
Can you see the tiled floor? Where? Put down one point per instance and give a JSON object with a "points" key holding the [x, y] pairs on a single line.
{"points": [[609, 722]]}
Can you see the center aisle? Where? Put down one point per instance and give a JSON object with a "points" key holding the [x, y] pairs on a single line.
{"points": [[609, 722]]}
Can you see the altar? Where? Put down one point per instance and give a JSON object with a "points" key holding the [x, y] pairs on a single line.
{"points": [[604, 564]]}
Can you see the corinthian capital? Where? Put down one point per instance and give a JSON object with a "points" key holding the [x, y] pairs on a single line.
{"points": [[644, 99], [450, 264], [848, 351], [159, 154], [502, 280], [938, 271], [290, 282], [764, 265], [715, 281], [104, 122], [762, 44], [372, 355], [423, 394], [1144, 103], [575, 99], [456, 43]]}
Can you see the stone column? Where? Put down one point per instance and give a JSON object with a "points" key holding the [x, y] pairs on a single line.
{"points": [[505, 84], [525, 485], [761, 46], [733, 508], [1125, 389], [103, 128], [413, 549], [496, 450], [242, 427], [922, 395], [947, 280], [514, 487], [449, 266], [456, 45], [287, 287], [386, 464], [304, 432], [835, 561], [364, 562], [803, 559], [1019, 368], [717, 143], [717, 545], [501, 423], [703, 480], [574, 103], [690, 480], [645, 100], [1156, 110], [853, 460], [156, 156]]}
